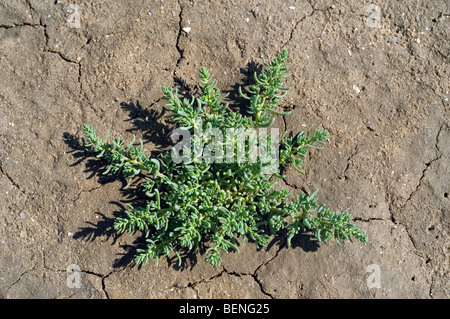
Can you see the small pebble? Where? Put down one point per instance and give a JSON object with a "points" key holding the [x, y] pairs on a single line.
{"points": [[22, 215]]}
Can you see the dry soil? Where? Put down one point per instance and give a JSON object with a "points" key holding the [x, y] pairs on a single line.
{"points": [[375, 74]]}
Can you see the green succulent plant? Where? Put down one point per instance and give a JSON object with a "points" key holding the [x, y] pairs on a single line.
{"points": [[198, 202]]}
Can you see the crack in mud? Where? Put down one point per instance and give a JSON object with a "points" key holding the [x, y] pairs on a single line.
{"points": [[180, 33], [18, 25], [254, 275], [78, 64], [366, 220], [86, 191], [102, 277], [193, 285], [46, 49], [441, 98], [18, 279], [328, 9], [393, 209], [28, 2], [427, 165], [88, 272], [430, 291], [296, 25], [13, 182], [349, 161]]}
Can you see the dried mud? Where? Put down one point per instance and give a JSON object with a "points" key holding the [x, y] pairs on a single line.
{"points": [[381, 88]]}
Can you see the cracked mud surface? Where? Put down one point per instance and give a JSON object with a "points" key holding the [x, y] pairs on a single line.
{"points": [[382, 92]]}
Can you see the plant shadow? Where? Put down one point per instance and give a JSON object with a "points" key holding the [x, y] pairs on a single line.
{"points": [[237, 102], [148, 121], [93, 166], [302, 240], [103, 228]]}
